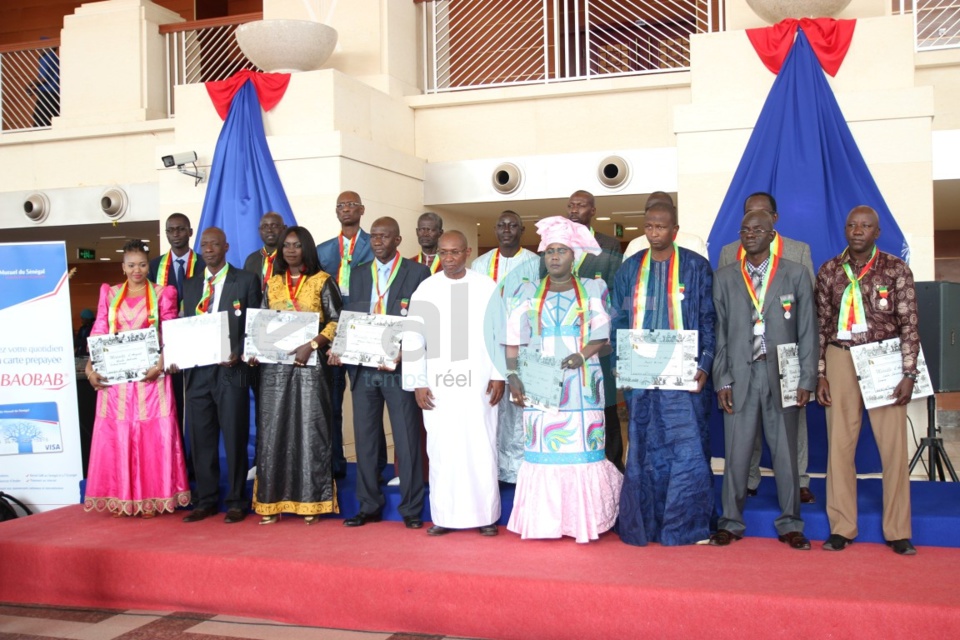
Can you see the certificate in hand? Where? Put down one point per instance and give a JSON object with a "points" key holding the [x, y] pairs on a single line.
{"points": [[788, 359], [542, 378], [368, 339], [879, 367], [657, 359], [272, 335], [125, 356], [196, 341]]}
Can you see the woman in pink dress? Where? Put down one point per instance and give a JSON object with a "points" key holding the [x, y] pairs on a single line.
{"points": [[136, 460], [565, 485]]}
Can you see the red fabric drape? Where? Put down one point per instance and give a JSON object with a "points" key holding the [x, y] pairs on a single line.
{"points": [[829, 38], [270, 89]]}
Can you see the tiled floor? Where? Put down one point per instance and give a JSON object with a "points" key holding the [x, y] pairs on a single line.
{"points": [[53, 623]]}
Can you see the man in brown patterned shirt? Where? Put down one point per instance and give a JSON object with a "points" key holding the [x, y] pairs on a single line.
{"points": [[865, 295]]}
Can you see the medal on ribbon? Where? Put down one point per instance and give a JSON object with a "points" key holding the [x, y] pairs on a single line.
{"points": [[883, 292], [404, 304], [787, 304], [236, 308]]}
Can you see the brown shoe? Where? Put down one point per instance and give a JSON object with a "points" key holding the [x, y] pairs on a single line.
{"points": [[722, 538], [796, 540], [806, 496]]}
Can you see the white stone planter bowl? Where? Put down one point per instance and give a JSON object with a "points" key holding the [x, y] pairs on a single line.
{"points": [[285, 46], [773, 11]]}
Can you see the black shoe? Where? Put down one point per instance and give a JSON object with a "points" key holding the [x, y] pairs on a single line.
{"points": [[200, 513], [489, 530], [437, 530], [234, 515], [837, 542], [412, 522], [806, 496], [340, 475], [363, 518], [902, 547], [751, 492]]}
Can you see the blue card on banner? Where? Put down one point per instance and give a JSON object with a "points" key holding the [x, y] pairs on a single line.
{"points": [[30, 428]]}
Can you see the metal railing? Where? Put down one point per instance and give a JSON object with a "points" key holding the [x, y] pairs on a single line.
{"points": [[936, 23], [469, 44], [29, 85], [203, 51]]}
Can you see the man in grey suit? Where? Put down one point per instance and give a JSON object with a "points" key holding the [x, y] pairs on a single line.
{"points": [[795, 251], [384, 286], [762, 302]]}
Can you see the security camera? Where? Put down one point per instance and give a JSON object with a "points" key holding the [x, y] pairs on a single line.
{"points": [[179, 159]]}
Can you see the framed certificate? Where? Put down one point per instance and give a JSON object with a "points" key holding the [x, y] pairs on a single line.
{"points": [[125, 356], [368, 339], [542, 378], [271, 335], [657, 359], [788, 360], [196, 341], [879, 367]]}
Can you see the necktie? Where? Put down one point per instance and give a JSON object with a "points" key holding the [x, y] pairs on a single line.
{"points": [[207, 300], [756, 276], [181, 274]]}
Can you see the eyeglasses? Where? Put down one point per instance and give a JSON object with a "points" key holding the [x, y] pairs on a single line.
{"points": [[348, 205], [456, 253], [292, 245], [752, 231]]}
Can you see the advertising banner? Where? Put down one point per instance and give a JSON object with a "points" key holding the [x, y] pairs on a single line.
{"points": [[40, 460]]}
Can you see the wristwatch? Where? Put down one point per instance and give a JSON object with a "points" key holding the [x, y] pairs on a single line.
{"points": [[912, 376], [314, 345]]}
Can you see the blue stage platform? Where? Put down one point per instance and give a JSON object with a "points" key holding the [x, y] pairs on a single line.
{"points": [[936, 508]]}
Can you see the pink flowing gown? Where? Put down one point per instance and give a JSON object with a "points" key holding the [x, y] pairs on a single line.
{"points": [[136, 458]]}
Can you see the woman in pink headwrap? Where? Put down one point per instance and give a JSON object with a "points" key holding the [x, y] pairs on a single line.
{"points": [[565, 486]]}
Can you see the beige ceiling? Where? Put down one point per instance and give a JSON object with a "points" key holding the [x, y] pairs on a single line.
{"points": [[106, 239]]}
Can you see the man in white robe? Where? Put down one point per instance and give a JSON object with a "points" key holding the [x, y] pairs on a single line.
{"points": [[447, 364], [510, 265]]}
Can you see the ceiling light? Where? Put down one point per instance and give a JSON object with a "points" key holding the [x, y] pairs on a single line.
{"points": [[630, 228], [603, 218], [104, 259], [119, 250]]}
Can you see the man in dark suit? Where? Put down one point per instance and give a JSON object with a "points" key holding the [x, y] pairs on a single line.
{"points": [[581, 208], [180, 263], [795, 251], [384, 286], [260, 262], [762, 302], [217, 396], [174, 268], [339, 256]]}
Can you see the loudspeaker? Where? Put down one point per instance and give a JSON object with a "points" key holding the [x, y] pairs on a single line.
{"points": [[938, 304]]}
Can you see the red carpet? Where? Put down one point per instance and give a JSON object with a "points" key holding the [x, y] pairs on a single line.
{"points": [[385, 577]]}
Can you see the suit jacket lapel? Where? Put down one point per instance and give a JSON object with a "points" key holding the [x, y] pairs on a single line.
{"points": [[772, 296], [396, 289], [227, 293]]}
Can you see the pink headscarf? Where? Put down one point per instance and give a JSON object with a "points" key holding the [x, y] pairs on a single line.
{"points": [[569, 233]]}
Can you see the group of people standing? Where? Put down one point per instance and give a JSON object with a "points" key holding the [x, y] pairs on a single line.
{"points": [[457, 381]]}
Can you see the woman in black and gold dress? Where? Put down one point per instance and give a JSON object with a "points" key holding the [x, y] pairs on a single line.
{"points": [[294, 472]]}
